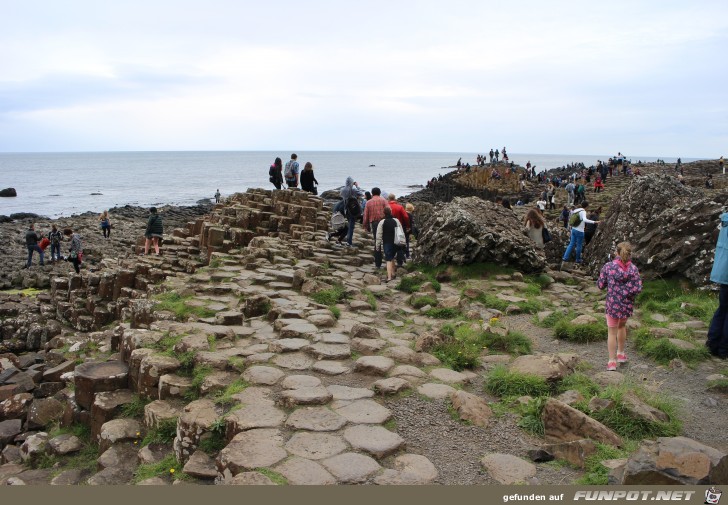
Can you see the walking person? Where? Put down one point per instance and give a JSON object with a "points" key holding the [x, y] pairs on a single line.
{"points": [[308, 179], [373, 213], [401, 215], [386, 231], [276, 173], [31, 241], [292, 172], [717, 342], [351, 194], [623, 283], [56, 237], [412, 231], [105, 224], [155, 231], [217, 196], [75, 251], [576, 242]]}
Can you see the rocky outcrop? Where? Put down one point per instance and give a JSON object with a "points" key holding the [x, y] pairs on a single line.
{"points": [[671, 461], [470, 230], [8, 192], [670, 226]]}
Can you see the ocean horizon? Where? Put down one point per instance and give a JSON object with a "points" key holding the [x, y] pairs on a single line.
{"points": [[61, 184]]}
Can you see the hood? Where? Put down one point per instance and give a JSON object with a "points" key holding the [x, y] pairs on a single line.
{"points": [[349, 181], [621, 274]]}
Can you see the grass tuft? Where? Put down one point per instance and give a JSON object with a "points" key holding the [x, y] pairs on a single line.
{"points": [[177, 304], [582, 333], [168, 466], [331, 296], [421, 301], [502, 382], [663, 351]]}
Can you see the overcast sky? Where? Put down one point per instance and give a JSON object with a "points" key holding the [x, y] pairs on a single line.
{"points": [[641, 77]]}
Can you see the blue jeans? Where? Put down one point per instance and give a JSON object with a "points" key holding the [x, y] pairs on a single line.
{"points": [[718, 331], [350, 235], [577, 240], [32, 248], [55, 251]]}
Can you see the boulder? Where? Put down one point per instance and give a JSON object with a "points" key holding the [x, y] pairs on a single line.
{"points": [[44, 411], [107, 405], [574, 452], [675, 460], [471, 408], [675, 238], [34, 447], [92, 378], [552, 368], [508, 469], [119, 430], [473, 230], [196, 421], [563, 423], [8, 192]]}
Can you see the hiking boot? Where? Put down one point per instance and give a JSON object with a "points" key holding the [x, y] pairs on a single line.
{"points": [[611, 366], [621, 358]]}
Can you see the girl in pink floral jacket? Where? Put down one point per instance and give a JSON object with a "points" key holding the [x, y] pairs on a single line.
{"points": [[623, 283]]}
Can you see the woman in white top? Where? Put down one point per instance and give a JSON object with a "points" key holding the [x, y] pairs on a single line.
{"points": [[534, 226]]}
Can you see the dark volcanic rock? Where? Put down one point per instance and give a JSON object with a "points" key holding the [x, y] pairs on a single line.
{"points": [[8, 192], [670, 226], [470, 230]]}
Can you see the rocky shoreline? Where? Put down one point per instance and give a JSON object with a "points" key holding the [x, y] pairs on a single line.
{"points": [[253, 351]]}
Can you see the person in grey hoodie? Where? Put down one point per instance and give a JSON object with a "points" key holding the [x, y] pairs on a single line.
{"points": [[351, 194]]}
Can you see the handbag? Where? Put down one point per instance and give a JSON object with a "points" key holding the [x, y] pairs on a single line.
{"points": [[399, 236], [546, 234]]}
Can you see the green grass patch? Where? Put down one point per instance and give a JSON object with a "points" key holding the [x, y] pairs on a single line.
{"points": [[225, 397], [493, 302], [135, 408], [580, 382], [663, 351], [531, 416], [335, 311], [554, 318], [168, 466], [177, 304], [331, 296], [163, 433], [371, 299], [443, 313], [513, 342], [583, 333], [214, 441], [673, 298], [461, 348], [502, 382], [277, 478], [596, 474], [421, 301]]}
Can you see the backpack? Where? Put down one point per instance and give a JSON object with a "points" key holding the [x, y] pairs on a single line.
{"points": [[353, 208], [338, 221], [575, 219], [289, 170]]}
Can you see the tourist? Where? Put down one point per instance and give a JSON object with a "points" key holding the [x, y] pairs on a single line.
{"points": [[401, 215], [217, 196], [105, 224], [564, 216], [541, 204], [570, 193], [717, 342], [721, 164], [622, 281], [709, 182], [276, 173], [598, 184], [351, 194], [339, 224], [56, 237], [154, 231], [506, 203], [497, 154], [308, 179], [576, 241], [373, 213], [491, 154], [409, 208], [534, 227], [31, 241], [75, 251], [292, 171], [386, 231]]}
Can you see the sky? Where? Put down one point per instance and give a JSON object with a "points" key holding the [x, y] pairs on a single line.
{"points": [[561, 77]]}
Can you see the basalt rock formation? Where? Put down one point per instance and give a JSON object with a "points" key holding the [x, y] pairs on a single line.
{"points": [[470, 230], [671, 228]]}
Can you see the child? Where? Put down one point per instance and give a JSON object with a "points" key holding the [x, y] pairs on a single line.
{"points": [[623, 283], [564, 216]]}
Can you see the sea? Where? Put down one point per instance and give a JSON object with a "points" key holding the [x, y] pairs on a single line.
{"points": [[63, 184]]}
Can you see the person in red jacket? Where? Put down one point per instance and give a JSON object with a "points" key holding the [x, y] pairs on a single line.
{"points": [[598, 184], [401, 214]]}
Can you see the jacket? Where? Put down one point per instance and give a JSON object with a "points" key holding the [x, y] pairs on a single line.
{"points": [[31, 238], [623, 284], [154, 225], [719, 273], [307, 179], [401, 214]]}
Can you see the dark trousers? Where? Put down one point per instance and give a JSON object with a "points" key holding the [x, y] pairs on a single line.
{"points": [[32, 248], [718, 331], [377, 254], [76, 264]]}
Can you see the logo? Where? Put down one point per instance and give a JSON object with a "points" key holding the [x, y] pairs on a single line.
{"points": [[712, 496]]}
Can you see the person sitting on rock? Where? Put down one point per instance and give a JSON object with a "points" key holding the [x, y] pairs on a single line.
{"points": [[534, 224]]}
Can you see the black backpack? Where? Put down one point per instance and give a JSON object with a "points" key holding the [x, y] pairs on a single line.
{"points": [[353, 208]]}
